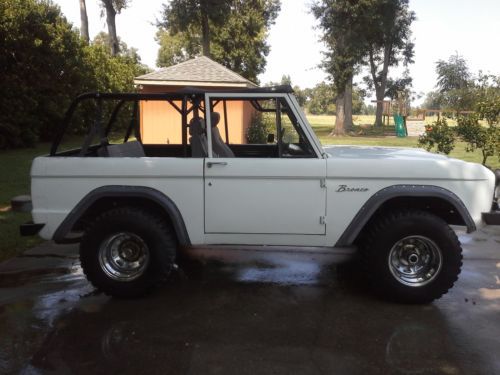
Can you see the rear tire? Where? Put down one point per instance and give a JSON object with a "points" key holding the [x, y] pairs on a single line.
{"points": [[411, 257], [126, 251]]}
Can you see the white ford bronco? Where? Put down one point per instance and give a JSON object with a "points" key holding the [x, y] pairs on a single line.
{"points": [[136, 205]]}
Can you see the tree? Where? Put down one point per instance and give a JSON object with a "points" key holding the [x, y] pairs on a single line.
{"points": [[44, 64], [401, 86], [321, 100], [453, 74], [127, 53], [112, 8], [358, 97], [285, 80], [302, 96], [187, 16], [343, 33], [486, 139], [388, 43], [240, 43], [84, 28], [39, 64], [234, 36], [456, 86], [433, 100], [176, 48]]}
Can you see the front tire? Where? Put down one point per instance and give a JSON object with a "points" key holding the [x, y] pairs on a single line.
{"points": [[126, 251], [411, 256]]}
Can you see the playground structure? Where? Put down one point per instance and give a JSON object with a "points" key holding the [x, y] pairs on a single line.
{"points": [[401, 112], [424, 112], [399, 109]]}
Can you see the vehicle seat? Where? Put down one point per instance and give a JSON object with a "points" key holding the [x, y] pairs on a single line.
{"points": [[131, 149], [219, 148], [198, 139]]}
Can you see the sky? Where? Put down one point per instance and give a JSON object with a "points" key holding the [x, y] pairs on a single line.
{"points": [[443, 28]]}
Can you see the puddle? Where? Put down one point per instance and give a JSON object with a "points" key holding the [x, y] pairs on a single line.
{"points": [[292, 273], [47, 256], [18, 279]]}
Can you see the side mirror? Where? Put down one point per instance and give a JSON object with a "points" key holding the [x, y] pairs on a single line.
{"points": [[270, 138]]}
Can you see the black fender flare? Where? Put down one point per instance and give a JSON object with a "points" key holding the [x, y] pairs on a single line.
{"points": [[120, 191], [376, 200]]}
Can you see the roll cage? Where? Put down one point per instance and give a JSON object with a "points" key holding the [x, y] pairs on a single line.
{"points": [[191, 100]]}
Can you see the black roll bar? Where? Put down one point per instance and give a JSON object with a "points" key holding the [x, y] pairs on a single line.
{"points": [[121, 98]]}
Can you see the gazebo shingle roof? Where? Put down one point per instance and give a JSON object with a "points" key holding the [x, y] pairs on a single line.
{"points": [[198, 70]]}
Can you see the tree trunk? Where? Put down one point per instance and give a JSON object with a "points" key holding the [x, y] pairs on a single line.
{"points": [[348, 106], [205, 29], [84, 28], [340, 116], [380, 80], [380, 108], [485, 157], [110, 20]]}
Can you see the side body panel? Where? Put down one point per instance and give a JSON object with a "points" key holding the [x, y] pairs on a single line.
{"points": [[58, 184], [265, 196]]}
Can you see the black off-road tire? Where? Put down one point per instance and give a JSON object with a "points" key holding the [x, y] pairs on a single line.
{"points": [[155, 233], [391, 229]]}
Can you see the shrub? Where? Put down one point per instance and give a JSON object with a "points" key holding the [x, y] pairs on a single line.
{"points": [[486, 139], [44, 65], [258, 130], [489, 109], [39, 54], [438, 135]]}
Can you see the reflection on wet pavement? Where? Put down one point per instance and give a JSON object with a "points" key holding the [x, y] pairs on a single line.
{"points": [[273, 315]]}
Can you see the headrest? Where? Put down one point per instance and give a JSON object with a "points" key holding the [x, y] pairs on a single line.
{"points": [[215, 118], [196, 126]]}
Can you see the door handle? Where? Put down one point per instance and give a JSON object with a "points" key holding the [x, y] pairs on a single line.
{"points": [[210, 163]]}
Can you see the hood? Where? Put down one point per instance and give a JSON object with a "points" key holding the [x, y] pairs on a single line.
{"points": [[375, 152], [401, 163]]}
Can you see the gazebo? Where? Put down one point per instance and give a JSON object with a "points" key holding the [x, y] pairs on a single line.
{"points": [[160, 123]]}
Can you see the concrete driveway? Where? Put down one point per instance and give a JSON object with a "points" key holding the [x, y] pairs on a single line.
{"points": [[292, 316]]}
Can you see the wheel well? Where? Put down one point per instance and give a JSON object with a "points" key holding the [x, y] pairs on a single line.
{"points": [[434, 205], [106, 203]]}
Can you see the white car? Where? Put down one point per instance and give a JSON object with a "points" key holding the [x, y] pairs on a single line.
{"points": [[134, 207]]}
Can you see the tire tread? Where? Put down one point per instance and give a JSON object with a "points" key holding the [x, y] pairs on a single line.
{"points": [[382, 226], [151, 280]]}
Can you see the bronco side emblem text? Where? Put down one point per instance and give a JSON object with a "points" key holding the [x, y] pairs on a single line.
{"points": [[343, 188]]}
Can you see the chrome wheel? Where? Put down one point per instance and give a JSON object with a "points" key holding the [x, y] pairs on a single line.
{"points": [[415, 260], [124, 256]]}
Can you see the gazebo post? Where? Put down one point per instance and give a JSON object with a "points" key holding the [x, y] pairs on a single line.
{"points": [[226, 129]]}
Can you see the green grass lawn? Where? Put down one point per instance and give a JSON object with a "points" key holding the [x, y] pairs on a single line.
{"points": [[14, 180], [370, 119], [368, 135], [15, 167]]}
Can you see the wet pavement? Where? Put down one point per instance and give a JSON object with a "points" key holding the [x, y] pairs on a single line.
{"points": [[286, 315]]}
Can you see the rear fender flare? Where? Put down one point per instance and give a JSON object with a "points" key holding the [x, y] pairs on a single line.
{"points": [[119, 191]]}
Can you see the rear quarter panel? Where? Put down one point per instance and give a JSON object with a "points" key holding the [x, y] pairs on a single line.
{"points": [[58, 184]]}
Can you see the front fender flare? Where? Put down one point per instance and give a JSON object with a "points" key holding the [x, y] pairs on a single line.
{"points": [[395, 191]]}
